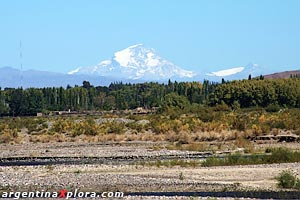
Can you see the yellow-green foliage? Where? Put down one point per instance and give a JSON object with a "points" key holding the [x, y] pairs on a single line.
{"points": [[62, 125], [114, 127], [31, 123], [86, 127], [6, 134], [186, 128]]}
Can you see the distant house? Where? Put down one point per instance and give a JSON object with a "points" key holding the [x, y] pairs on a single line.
{"points": [[69, 112], [141, 110]]}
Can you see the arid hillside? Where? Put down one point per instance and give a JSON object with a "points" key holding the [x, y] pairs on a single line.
{"points": [[285, 74]]}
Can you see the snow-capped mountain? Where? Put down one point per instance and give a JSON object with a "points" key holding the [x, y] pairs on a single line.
{"points": [[136, 63]]}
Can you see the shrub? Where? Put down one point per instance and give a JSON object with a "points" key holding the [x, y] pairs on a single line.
{"points": [[206, 115], [135, 126], [181, 176], [239, 124], [287, 180], [60, 125], [114, 127], [221, 107], [278, 124], [8, 135], [86, 127], [273, 108]]}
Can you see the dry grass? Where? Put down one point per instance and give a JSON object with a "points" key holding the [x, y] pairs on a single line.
{"points": [[183, 129], [9, 135], [223, 135], [45, 138]]}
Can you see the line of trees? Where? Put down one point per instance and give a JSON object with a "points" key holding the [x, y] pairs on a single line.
{"points": [[20, 102], [262, 93], [244, 93]]}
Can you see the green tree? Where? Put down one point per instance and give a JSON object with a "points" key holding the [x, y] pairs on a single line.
{"points": [[173, 101]]}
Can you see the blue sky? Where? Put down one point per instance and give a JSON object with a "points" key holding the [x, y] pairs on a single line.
{"points": [[194, 34]]}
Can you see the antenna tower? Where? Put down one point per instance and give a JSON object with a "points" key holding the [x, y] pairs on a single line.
{"points": [[21, 64]]}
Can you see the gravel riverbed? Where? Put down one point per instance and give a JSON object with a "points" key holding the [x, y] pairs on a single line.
{"points": [[130, 177]]}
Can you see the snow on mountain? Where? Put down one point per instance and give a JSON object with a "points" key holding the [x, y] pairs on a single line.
{"points": [[237, 73], [136, 63], [74, 71], [226, 72]]}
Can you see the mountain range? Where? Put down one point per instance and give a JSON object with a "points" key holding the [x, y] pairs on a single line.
{"points": [[13, 78], [136, 63]]}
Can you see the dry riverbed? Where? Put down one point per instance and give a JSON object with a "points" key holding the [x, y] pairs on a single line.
{"points": [[129, 177]]}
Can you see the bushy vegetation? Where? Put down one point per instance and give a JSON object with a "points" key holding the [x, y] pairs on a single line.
{"points": [[279, 155], [183, 127], [6, 134], [207, 120], [187, 112], [287, 180], [85, 127]]}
